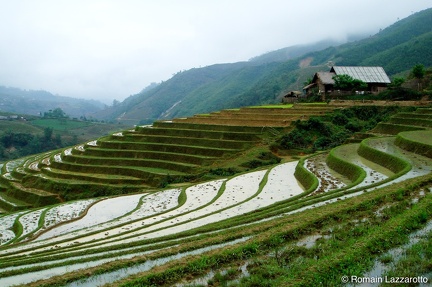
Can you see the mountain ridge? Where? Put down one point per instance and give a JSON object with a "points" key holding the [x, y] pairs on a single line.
{"points": [[264, 79]]}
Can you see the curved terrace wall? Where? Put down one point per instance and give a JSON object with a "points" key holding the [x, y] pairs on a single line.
{"points": [[412, 121], [394, 129], [419, 142], [353, 172], [306, 178], [391, 162]]}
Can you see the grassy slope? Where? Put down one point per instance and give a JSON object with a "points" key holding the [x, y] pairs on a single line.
{"points": [[19, 127]]}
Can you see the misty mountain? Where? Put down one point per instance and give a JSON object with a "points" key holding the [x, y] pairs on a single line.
{"points": [[200, 89], [284, 54], [265, 79], [19, 101]]}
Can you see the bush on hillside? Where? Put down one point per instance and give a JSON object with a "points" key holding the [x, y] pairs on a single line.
{"points": [[321, 133], [400, 94], [263, 159]]}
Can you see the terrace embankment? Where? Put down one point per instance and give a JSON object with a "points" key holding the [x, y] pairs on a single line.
{"points": [[273, 116], [149, 157], [146, 157], [421, 119], [419, 142]]}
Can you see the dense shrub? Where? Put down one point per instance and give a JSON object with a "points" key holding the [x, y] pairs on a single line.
{"points": [[400, 94], [321, 133], [263, 159], [16, 144], [223, 171]]}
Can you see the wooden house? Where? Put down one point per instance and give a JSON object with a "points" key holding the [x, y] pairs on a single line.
{"points": [[375, 78]]}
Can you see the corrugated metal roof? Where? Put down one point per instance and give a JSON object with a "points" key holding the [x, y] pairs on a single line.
{"points": [[366, 74]]}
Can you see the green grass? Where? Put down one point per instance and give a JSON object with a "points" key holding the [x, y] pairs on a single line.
{"points": [[314, 104], [351, 248], [307, 179], [60, 124], [19, 127], [424, 137], [286, 229], [281, 106], [394, 129], [416, 260]]}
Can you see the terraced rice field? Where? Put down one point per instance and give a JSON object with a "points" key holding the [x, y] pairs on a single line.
{"points": [[143, 158], [51, 241], [117, 239]]}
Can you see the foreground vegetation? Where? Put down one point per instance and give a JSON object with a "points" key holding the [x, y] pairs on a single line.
{"points": [[322, 133], [354, 228], [290, 250]]}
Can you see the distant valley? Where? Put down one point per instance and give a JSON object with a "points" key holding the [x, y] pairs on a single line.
{"points": [[15, 100]]}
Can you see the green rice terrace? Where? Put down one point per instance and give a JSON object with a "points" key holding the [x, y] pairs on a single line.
{"points": [[210, 200]]}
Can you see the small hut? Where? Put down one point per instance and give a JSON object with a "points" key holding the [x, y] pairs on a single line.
{"points": [[292, 97]]}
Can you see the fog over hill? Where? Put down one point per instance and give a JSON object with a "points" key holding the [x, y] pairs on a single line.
{"points": [[19, 101], [265, 78], [108, 50]]}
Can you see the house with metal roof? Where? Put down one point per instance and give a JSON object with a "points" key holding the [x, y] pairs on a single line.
{"points": [[375, 78]]}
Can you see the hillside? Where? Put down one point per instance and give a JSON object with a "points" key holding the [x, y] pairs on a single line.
{"points": [[185, 150], [265, 78], [19, 101], [288, 53], [22, 135], [305, 221]]}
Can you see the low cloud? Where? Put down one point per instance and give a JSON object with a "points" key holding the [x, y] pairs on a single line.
{"points": [[111, 49]]}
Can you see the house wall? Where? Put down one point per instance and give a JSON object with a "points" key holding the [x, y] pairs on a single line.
{"points": [[321, 86], [287, 100], [376, 88]]}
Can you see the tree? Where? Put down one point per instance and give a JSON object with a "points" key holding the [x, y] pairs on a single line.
{"points": [[397, 83], [307, 82], [2, 152], [57, 140], [57, 113], [418, 71], [348, 83], [7, 139], [48, 134]]}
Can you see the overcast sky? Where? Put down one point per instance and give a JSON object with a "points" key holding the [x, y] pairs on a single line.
{"points": [[110, 49]]}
